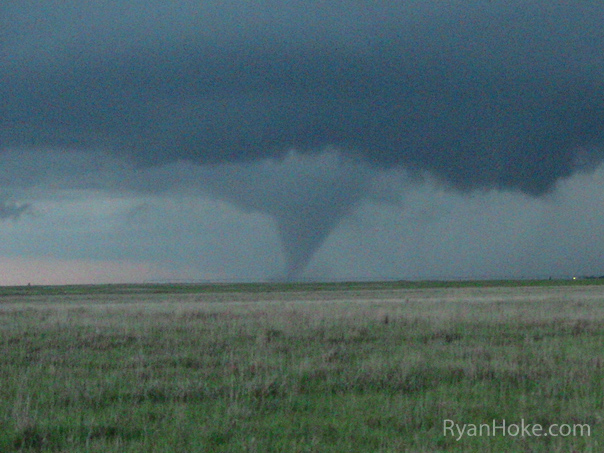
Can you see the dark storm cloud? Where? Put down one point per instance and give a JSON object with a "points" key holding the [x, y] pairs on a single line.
{"points": [[481, 95], [497, 94]]}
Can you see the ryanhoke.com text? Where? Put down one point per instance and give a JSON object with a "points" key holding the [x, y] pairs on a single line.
{"points": [[522, 429]]}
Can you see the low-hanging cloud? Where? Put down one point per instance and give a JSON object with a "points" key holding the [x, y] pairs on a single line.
{"points": [[498, 95], [10, 210]]}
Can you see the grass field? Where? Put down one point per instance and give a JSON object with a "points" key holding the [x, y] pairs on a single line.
{"points": [[332, 367]]}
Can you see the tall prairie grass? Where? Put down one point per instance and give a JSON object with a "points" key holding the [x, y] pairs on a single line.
{"points": [[345, 369]]}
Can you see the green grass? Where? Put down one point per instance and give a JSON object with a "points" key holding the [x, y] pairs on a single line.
{"points": [[356, 368], [198, 288]]}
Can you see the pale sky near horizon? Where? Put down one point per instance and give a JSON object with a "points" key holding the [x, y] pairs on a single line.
{"points": [[153, 141]]}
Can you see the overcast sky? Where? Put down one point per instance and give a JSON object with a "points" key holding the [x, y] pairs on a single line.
{"points": [[171, 141]]}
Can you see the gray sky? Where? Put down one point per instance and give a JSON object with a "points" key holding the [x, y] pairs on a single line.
{"points": [[151, 140]]}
